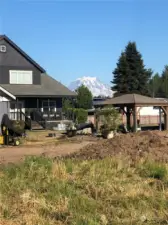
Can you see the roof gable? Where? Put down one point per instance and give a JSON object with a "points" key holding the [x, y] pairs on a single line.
{"points": [[16, 47]]}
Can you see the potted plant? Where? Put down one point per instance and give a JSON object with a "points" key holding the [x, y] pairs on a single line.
{"points": [[110, 120]]}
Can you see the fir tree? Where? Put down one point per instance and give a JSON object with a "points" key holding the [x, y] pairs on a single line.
{"points": [[164, 82], [130, 75]]}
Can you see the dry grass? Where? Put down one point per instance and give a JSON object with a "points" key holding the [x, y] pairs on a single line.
{"points": [[98, 192], [40, 138]]}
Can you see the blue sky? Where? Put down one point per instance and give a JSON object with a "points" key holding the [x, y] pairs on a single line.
{"points": [[71, 39]]}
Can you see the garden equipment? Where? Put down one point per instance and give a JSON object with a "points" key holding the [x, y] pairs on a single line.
{"points": [[11, 130], [73, 128]]}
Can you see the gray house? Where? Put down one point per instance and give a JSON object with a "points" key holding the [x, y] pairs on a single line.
{"points": [[27, 87]]}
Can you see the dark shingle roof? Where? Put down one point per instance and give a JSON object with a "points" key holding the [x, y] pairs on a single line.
{"points": [[133, 99], [4, 37], [49, 87]]}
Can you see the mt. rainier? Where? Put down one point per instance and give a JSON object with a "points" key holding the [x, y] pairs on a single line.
{"points": [[94, 85]]}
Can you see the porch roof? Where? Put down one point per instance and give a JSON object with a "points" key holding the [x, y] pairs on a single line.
{"points": [[49, 87], [6, 94]]}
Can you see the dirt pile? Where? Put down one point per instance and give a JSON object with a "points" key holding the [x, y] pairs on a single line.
{"points": [[144, 144]]}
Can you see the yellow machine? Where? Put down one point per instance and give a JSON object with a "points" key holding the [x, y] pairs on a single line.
{"points": [[1, 140], [6, 138]]}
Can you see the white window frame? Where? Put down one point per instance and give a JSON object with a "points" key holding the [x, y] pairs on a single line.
{"points": [[49, 107], [2, 48], [20, 75]]}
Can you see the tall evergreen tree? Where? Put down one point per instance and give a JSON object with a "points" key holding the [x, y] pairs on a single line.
{"points": [[130, 75], [164, 82], [120, 76], [155, 86]]}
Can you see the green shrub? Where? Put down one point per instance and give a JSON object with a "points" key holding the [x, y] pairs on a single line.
{"points": [[109, 117], [154, 170], [79, 115]]}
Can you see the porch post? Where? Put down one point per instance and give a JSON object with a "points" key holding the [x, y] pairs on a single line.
{"points": [[61, 108], [37, 104], [48, 108], [17, 116]]}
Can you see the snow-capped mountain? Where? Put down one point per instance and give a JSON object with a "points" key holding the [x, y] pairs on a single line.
{"points": [[94, 85]]}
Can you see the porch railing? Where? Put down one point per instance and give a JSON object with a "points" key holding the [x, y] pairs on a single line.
{"points": [[17, 115], [50, 116], [42, 118]]}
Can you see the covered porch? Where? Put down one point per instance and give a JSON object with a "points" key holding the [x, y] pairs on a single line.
{"points": [[129, 103], [39, 112], [49, 108]]}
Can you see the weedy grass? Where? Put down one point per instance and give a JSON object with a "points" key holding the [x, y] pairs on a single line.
{"points": [[96, 192]]}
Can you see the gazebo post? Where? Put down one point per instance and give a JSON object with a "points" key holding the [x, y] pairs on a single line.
{"points": [[128, 115], [165, 110], [165, 121], [134, 118], [160, 118]]}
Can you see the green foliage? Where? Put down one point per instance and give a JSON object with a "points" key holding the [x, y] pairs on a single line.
{"points": [[130, 75], [84, 98], [154, 170], [67, 103], [158, 85], [155, 86], [164, 82], [121, 76], [110, 118], [79, 115]]}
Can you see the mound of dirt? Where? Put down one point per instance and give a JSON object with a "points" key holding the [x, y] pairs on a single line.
{"points": [[143, 144]]}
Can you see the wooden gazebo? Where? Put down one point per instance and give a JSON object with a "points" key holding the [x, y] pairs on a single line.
{"points": [[132, 101]]}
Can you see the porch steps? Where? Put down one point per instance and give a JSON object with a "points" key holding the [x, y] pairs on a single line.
{"points": [[36, 126]]}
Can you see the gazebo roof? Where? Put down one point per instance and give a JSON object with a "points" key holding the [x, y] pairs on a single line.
{"points": [[134, 99]]}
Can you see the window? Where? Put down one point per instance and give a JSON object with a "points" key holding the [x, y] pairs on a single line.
{"points": [[49, 106], [20, 77], [2, 48]]}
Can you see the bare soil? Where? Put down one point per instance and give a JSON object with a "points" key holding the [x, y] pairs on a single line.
{"points": [[51, 147], [147, 144]]}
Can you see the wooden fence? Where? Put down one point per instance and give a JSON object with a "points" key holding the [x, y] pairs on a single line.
{"points": [[144, 120]]}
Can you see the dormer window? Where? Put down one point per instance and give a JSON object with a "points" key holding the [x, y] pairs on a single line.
{"points": [[20, 77], [2, 48]]}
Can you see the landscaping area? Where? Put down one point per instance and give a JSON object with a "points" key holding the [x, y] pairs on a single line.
{"points": [[85, 180]]}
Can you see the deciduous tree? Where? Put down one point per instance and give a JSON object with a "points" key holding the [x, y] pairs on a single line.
{"points": [[84, 98]]}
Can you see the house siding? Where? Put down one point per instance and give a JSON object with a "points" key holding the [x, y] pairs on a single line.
{"points": [[4, 109], [13, 60]]}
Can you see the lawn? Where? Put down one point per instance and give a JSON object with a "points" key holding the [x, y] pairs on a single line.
{"points": [[110, 191]]}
